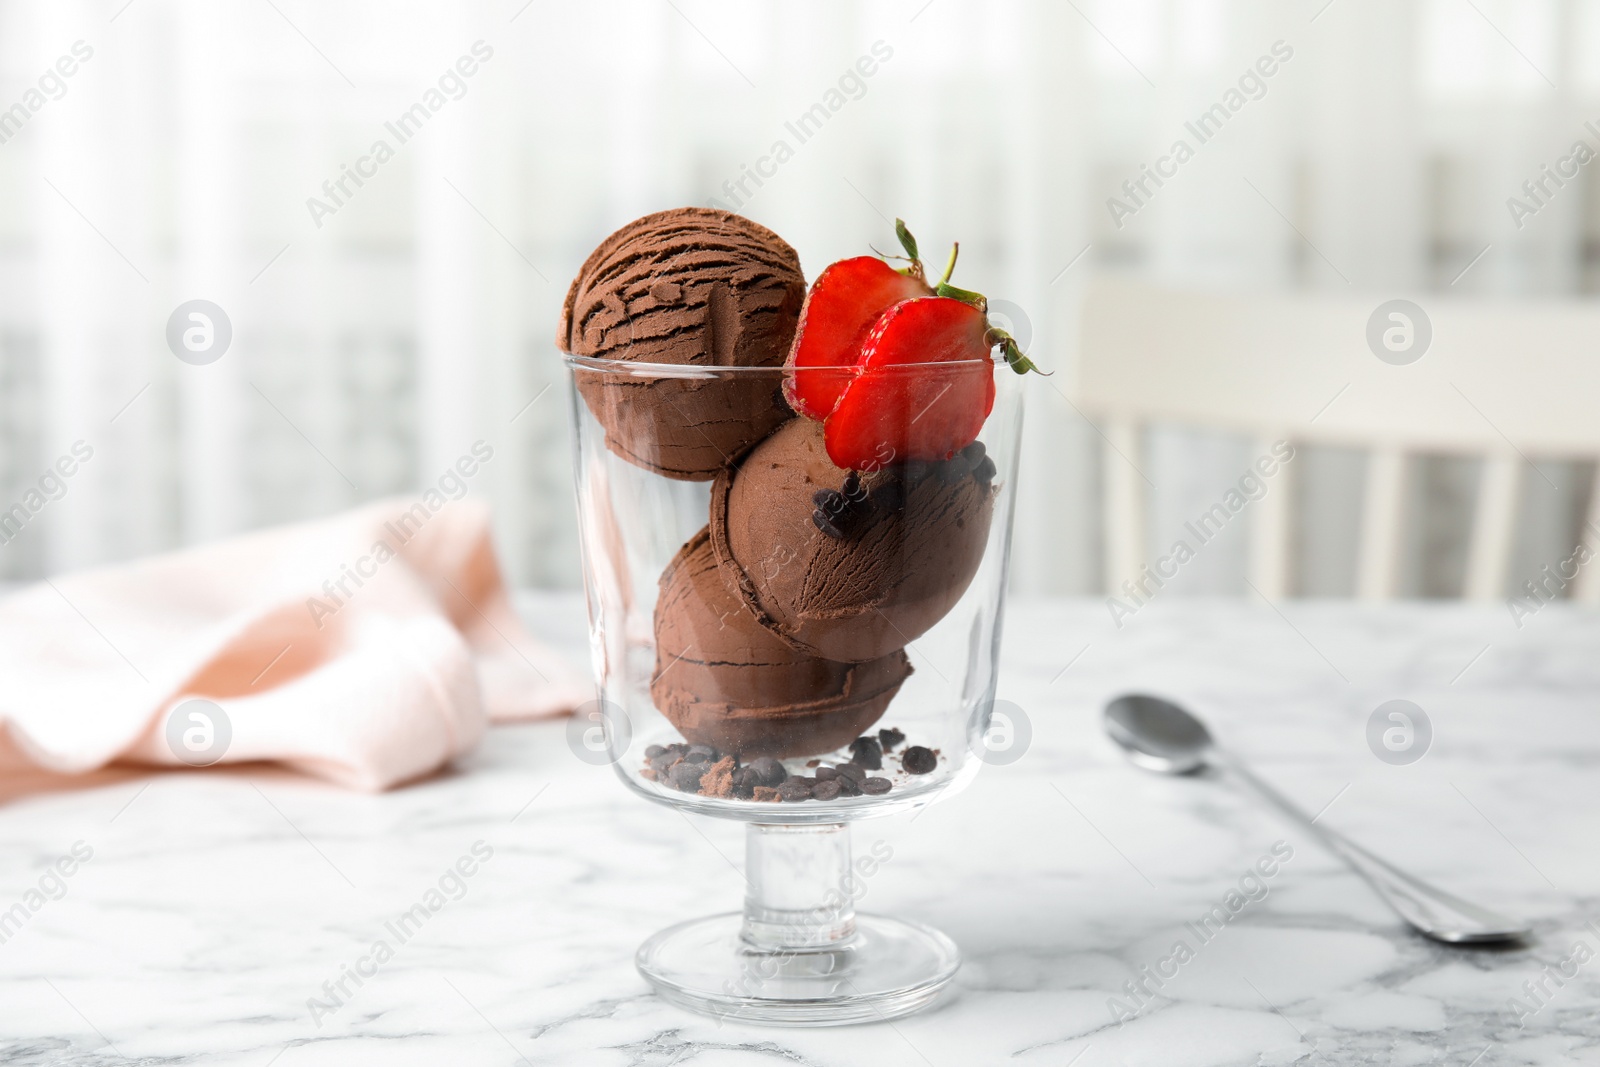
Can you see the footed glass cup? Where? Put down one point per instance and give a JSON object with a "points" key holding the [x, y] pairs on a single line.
{"points": [[750, 630]]}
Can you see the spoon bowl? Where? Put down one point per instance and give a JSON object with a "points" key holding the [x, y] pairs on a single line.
{"points": [[1158, 735]]}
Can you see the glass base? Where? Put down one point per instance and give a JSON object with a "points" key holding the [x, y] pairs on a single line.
{"points": [[885, 969]]}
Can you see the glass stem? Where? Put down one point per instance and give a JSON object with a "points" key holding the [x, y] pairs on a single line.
{"points": [[798, 887]]}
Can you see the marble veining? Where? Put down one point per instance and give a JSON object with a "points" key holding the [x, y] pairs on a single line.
{"points": [[217, 908]]}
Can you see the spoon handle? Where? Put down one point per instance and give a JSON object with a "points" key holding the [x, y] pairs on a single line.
{"points": [[1433, 911]]}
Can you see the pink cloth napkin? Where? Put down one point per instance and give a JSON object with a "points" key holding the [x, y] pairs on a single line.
{"points": [[369, 648]]}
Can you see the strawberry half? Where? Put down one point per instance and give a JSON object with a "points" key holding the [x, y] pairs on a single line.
{"points": [[924, 388], [844, 301]]}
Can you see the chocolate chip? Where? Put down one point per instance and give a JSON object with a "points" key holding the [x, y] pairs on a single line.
{"points": [[954, 470], [826, 790], [918, 760], [744, 783], [821, 521], [841, 510], [867, 752], [700, 754], [853, 771], [767, 771], [890, 738], [827, 774], [663, 761], [876, 786], [794, 791], [848, 786], [653, 751], [985, 472], [975, 452], [889, 495], [686, 776], [830, 502]]}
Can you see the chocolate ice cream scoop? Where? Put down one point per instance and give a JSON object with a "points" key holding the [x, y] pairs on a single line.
{"points": [[696, 287], [850, 566], [725, 681]]}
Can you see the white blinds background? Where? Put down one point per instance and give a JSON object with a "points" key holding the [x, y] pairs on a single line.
{"points": [[370, 353]]}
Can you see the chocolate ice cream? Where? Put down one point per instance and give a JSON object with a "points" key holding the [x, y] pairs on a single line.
{"points": [[849, 566], [691, 286], [725, 681]]}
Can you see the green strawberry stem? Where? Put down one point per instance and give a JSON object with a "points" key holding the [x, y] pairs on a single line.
{"points": [[1019, 362], [907, 242], [950, 267], [1012, 352], [914, 268], [966, 296], [1009, 349]]}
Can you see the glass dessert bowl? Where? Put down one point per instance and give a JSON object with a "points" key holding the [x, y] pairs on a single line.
{"points": [[795, 514], [795, 646]]}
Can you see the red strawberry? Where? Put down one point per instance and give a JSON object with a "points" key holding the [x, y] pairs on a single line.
{"points": [[896, 370], [925, 386], [843, 302]]}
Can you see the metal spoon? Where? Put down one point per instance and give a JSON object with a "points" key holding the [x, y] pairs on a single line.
{"points": [[1160, 736]]}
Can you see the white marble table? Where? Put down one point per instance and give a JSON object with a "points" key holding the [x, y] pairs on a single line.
{"points": [[215, 904]]}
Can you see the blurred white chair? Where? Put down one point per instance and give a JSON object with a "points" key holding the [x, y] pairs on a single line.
{"points": [[1504, 381]]}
